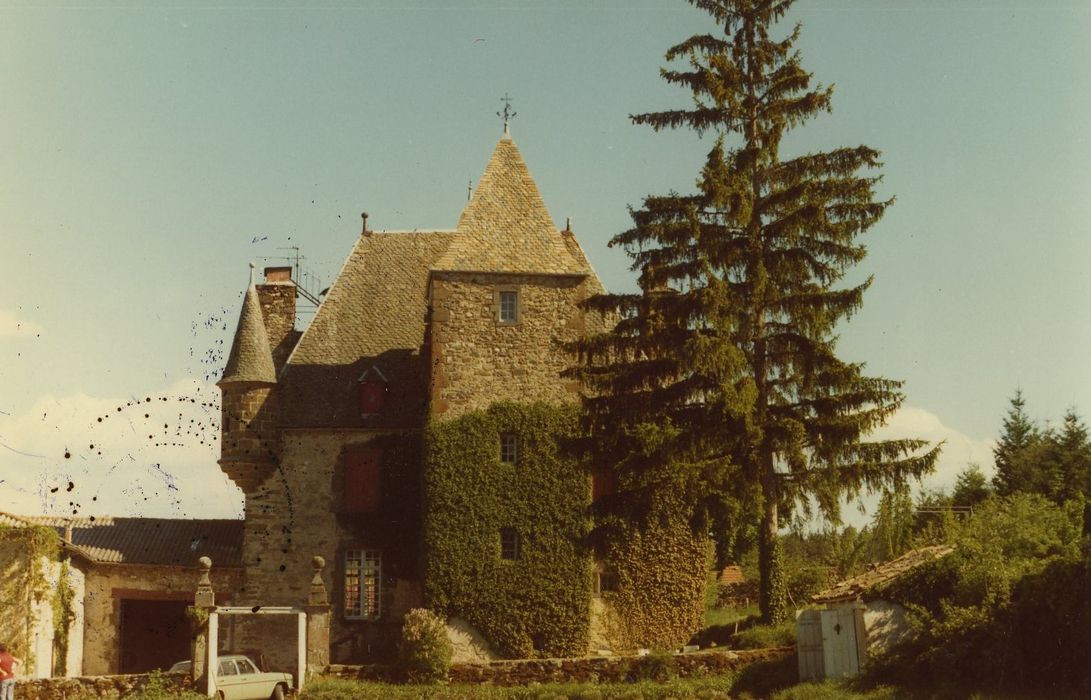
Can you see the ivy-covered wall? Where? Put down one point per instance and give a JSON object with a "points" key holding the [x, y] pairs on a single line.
{"points": [[28, 568], [661, 568], [539, 603]]}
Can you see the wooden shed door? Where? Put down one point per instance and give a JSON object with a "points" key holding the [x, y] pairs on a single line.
{"points": [[809, 645], [839, 645]]}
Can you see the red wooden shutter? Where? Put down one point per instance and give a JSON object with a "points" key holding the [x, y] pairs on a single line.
{"points": [[362, 481], [603, 483]]}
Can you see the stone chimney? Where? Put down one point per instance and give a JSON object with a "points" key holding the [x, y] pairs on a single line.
{"points": [[277, 296]]}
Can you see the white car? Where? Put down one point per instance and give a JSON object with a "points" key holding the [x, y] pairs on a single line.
{"points": [[239, 679]]}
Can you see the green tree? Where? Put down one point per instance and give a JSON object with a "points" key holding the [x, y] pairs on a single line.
{"points": [[721, 375], [1065, 467], [1013, 453], [971, 487], [892, 527]]}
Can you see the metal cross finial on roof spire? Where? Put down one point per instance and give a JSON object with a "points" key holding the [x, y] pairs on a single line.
{"points": [[507, 114]]}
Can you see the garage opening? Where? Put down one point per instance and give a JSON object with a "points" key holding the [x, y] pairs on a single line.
{"points": [[155, 634]]}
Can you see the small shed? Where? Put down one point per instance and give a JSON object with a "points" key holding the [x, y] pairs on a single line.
{"points": [[835, 642], [731, 575]]}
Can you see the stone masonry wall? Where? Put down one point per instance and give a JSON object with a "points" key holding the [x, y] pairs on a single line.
{"points": [[477, 360], [249, 433], [578, 670], [277, 301], [102, 603], [96, 686], [290, 518]]}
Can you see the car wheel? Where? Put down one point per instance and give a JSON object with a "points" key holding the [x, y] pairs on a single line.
{"points": [[219, 695], [278, 693]]}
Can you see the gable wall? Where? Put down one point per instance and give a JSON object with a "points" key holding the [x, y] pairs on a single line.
{"points": [[477, 361]]}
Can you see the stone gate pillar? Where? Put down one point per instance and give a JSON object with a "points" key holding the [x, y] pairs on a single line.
{"points": [[204, 600], [318, 621]]}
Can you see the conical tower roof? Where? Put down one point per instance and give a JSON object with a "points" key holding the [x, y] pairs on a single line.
{"points": [[506, 227], [250, 359]]}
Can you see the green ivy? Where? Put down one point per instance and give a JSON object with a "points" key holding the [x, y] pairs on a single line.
{"points": [[538, 604], [662, 571], [63, 616], [37, 547]]}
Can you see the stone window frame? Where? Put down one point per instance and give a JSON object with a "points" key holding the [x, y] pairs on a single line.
{"points": [[497, 294], [510, 544], [509, 448], [606, 580], [356, 584]]}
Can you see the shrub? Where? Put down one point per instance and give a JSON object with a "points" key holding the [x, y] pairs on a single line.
{"points": [[424, 651], [656, 666]]}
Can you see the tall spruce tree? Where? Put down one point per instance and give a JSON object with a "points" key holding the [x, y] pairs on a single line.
{"points": [[720, 378], [1014, 454]]}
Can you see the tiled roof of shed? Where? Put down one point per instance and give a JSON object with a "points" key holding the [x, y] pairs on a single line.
{"points": [[250, 359], [731, 574], [375, 314], [506, 227], [852, 588], [156, 541]]}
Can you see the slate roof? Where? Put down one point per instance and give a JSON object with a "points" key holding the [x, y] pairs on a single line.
{"points": [[250, 360], [155, 541], [375, 314], [506, 227], [853, 588]]}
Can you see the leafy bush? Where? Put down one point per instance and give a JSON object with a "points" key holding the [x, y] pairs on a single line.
{"points": [[1009, 609], [765, 636], [656, 666], [160, 687], [424, 651]]}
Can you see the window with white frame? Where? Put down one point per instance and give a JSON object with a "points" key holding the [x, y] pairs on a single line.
{"points": [[363, 579], [509, 307], [509, 448]]}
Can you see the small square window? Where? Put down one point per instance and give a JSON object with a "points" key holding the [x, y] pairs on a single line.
{"points": [[509, 449], [509, 307], [509, 543]]}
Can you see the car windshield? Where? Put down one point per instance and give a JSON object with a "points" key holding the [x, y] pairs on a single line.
{"points": [[245, 666], [181, 667]]}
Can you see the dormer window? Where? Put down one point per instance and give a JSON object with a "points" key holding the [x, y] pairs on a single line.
{"points": [[507, 307], [373, 389]]}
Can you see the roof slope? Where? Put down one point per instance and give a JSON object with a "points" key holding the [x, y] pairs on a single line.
{"points": [[155, 541], [375, 314], [250, 359], [884, 573], [506, 227]]}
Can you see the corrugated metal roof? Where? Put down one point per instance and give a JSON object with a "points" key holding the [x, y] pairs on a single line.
{"points": [[155, 541], [852, 588]]}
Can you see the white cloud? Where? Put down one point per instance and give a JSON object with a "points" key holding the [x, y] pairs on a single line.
{"points": [[150, 455], [959, 450], [11, 326]]}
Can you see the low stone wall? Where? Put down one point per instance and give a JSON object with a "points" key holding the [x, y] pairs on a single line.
{"points": [[581, 670], [95, 686]]}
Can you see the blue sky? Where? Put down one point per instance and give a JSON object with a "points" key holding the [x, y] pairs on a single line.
{"points": [[149, 153]]}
